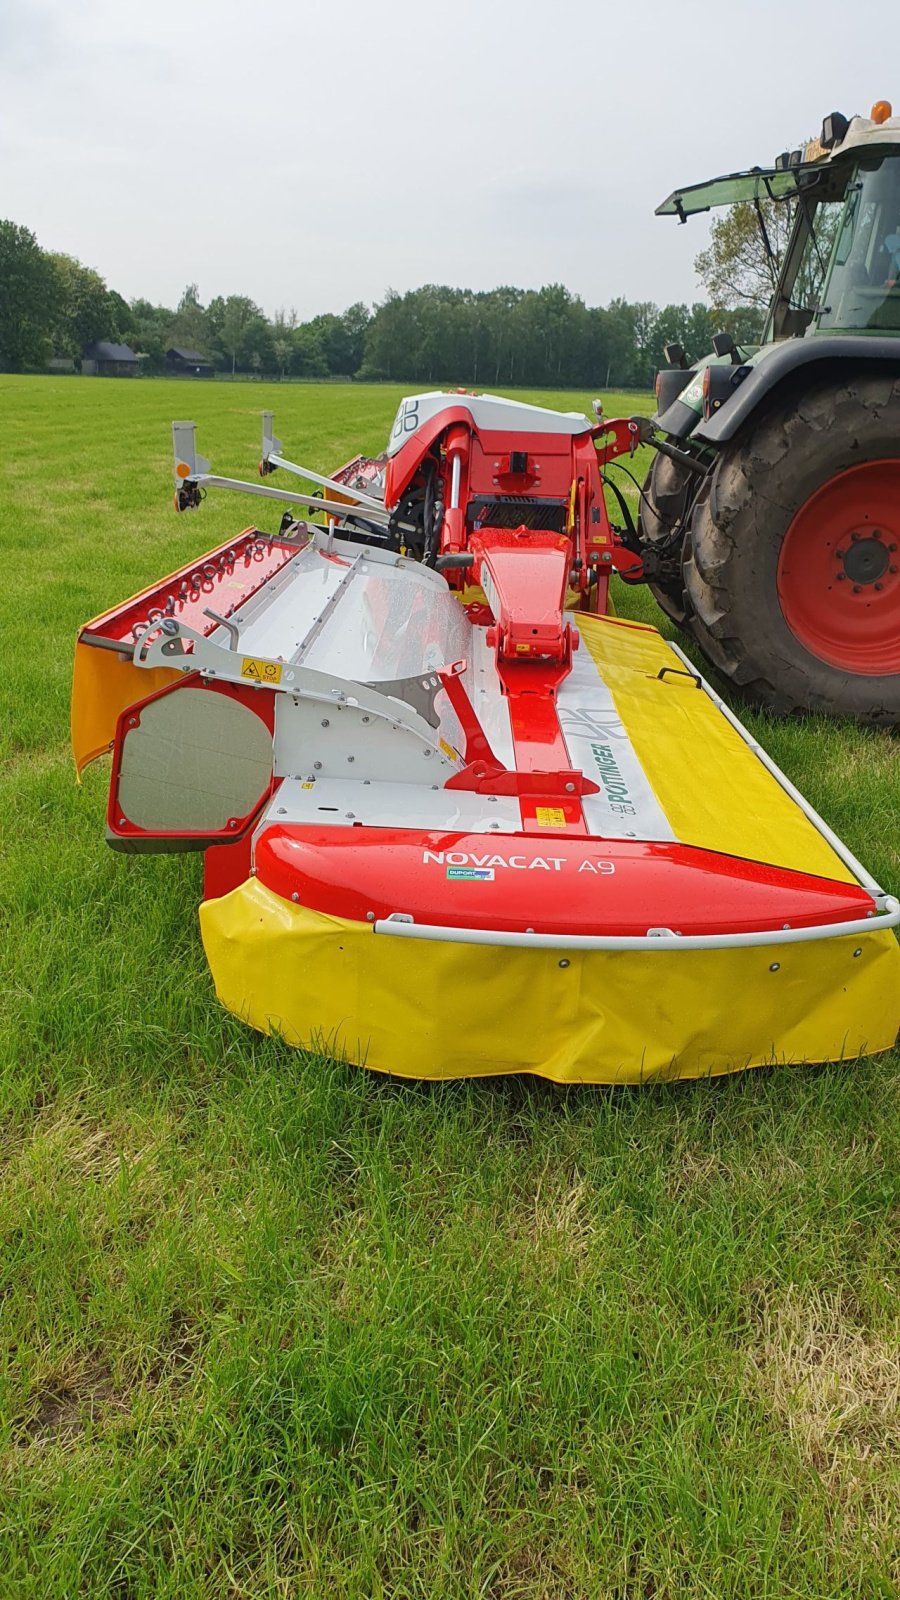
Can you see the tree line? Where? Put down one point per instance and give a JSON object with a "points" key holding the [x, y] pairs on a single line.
{"points": [[52, 305]]}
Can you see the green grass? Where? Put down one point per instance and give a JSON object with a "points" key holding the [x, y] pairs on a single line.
{"points": [[272, 1326]]}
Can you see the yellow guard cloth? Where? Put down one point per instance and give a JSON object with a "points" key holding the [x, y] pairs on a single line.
{"points": [[435, 1010]]}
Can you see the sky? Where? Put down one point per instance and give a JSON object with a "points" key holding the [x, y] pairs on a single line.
{"points": [[313, 154]]}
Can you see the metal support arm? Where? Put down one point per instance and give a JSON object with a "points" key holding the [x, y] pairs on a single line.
{"points": [[272, 458], [206, 480]]}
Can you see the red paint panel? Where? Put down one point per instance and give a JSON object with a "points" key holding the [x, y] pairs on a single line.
{"points": [[543, 882], [529, 572], [402, 467], [549, 471], [226, 867]]}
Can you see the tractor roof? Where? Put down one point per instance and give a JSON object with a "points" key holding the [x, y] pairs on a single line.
{"points": [[863, 133], [760, 183], [781, 182]]}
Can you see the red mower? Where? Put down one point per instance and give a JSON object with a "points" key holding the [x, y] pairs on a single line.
{"points": [[457, 818]]}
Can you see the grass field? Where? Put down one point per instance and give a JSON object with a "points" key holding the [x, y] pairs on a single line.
{"points": [[272, 1326]]}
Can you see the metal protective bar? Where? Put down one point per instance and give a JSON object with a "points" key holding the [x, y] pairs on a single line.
{"points": [[401, 927]]}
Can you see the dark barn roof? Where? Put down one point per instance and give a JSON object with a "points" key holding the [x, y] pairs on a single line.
{"points": [[191, 356], [104, 351]]}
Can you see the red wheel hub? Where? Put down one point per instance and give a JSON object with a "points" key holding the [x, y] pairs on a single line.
{"points": [[839, 570]]}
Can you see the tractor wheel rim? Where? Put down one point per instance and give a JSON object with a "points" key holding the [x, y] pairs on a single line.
{"points": [[839, 570]]}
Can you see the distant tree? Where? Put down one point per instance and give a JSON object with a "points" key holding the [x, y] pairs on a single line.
{"points": [[356, 320], [29, 298], [284, 322], [120, 320], [736, 268], [434, 334], [646, 315], [494, 311], [237, 313], [341, 339], [744, 323], [390, 338], [189, 327], [513, 336], [690, 326], [283, 325], [256, 351], [149, 330], [307, 357], [327, 333], [215, 317], [619, 320], [83, 313], [698, 329]]}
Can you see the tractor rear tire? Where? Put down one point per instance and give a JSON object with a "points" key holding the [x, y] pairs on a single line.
{"points": [[664, 501], [794, 567]]}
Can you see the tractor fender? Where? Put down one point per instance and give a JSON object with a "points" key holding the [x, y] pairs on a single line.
{"points": [[816, 353]]}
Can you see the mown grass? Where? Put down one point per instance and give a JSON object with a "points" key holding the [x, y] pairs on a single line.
{"points": [[273, 1326]]}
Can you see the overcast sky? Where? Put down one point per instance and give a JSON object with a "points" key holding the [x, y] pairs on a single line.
{"points": [[310, 155]]}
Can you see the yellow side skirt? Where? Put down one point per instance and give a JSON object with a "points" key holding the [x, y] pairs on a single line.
{"points": [[435, 1010], [104, 684]]}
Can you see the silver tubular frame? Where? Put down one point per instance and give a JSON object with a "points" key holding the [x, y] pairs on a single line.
{"points": [[184, 444], [334, 508], [371, 506], [400, 926], [272, 457]]}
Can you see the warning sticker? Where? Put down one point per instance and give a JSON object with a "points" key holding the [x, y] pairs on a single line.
{"points": [[260, 671], [449, 752], [550, 816]]}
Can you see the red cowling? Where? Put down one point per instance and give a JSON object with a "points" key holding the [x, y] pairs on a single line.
{"points": [[562, 885]]}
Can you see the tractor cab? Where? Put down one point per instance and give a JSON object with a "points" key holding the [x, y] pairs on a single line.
{"points": [[861, 291], [768, 522], [840, 271]]}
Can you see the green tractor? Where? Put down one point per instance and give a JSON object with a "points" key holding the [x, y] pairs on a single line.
{"points": [[770, 520]]}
